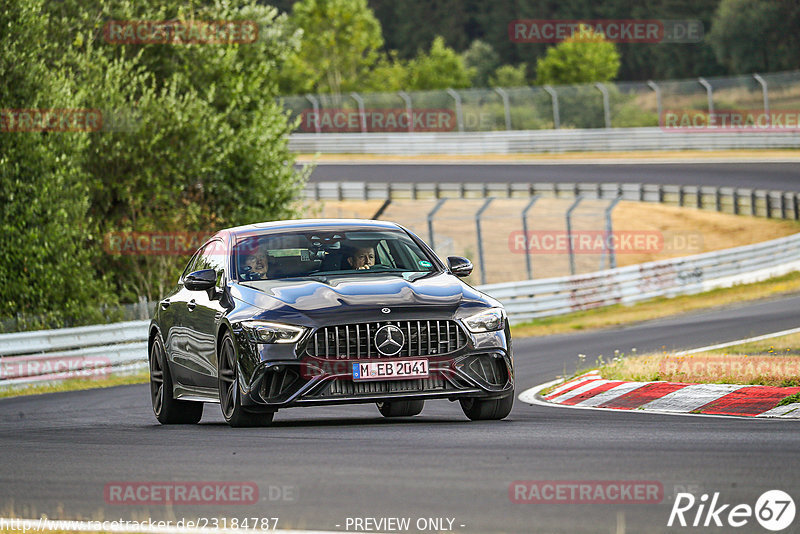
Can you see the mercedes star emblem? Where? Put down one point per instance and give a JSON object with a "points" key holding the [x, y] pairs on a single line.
{"points": [[389, 340]]}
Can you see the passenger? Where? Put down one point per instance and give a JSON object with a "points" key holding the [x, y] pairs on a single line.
{"points": [[361, 258]]}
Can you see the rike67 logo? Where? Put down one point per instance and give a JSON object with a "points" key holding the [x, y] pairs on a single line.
{"points": [[774, 510]]}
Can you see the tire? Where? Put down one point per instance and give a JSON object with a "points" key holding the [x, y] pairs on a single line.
{"points": [[230, 399], [485, 410], [405, 408], [168, 410]]}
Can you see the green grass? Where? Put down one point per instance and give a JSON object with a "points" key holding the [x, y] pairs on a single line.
{"points": [[75, 384], [791, 399]]}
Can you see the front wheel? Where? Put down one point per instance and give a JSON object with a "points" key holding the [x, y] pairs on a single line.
{"points": [[482, 409], [230, 399], [405, 408], [168, 410]]}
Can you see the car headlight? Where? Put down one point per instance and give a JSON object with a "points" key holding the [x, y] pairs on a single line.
{"points": [[266, 332], [486, 320]]}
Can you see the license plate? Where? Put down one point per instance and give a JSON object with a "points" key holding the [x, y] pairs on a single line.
{"points": [[390, 370]]}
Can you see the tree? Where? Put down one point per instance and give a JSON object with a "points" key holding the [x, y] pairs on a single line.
{"points": [[756, 35], [440, 68], [583, 58], [341, 42], [45, 233], [204, 146], [481, 57], [509, 76]]}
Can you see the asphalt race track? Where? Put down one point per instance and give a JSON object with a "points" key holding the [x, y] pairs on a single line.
{"points": [[317, 467], [772, 176]]}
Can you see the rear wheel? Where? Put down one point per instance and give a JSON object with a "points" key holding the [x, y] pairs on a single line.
{"points": [[230, 399], [405, 408], [167, 409], [482, 410]]}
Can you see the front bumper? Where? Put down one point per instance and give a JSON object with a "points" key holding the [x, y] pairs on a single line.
{"points": [[314, 381]]}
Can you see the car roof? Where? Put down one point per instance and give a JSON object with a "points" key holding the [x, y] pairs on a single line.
{"points": [[310, 224]]}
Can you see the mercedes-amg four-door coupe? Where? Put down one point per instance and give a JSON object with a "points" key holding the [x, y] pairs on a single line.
{"points": [[314, 312]]}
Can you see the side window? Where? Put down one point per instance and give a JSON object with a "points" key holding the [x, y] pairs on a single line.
{"points": [[190, 267], [214, 256], [211, 256], [384, 255]]}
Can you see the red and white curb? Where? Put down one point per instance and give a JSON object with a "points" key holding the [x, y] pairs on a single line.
{"points": [[590, 390]]}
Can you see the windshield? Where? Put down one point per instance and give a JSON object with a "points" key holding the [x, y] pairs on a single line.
{"points": [[298, 254]]}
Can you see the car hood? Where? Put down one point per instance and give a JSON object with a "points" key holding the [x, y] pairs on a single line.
{"points": [[360, 298]]}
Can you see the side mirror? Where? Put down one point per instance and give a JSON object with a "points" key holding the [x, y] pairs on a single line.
{"points": [[200, 280], [459, 266]]}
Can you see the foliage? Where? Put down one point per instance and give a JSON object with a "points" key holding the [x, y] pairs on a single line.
{"points": [[738, 24], [510, 76], [440, 68], [340, 44], [203, 144], [583, 58], [45, 232], [481, 57]]}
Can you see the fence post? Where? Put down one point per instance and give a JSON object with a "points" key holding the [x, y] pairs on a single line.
{"points": [[709, 94], [430, 221], [569, 233], [654, 86], [765, 92], [459, 113], [500, 91], [528, 267], [612, 255], [606, 110], [480, 239], [361, 113], [409, 109], [554, 98], [315, 106]]}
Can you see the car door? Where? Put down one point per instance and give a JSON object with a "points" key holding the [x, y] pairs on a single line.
{"points": [[172, 317], [203, 313]]}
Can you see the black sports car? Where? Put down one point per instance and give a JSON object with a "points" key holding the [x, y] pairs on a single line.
{"points": [[307, 312]]}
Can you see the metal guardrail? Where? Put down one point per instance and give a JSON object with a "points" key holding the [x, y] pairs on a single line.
{"points": [[739, 201], [89, 351], [681, 276], [51, 355], [535, 141]]}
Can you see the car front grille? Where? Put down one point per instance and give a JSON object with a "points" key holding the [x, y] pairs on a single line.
{"points": [[422, 338]]}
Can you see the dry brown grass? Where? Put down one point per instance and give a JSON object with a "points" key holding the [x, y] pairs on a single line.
{"points": [[772, 362], [657, 308], [781, 371]]}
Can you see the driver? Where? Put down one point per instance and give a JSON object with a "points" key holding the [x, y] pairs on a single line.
{"points": [[255, 266], [362, 258]]}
